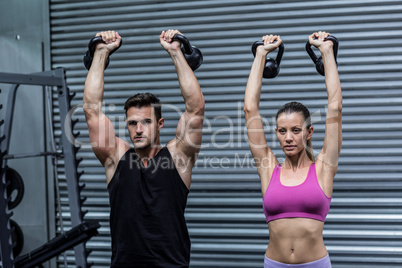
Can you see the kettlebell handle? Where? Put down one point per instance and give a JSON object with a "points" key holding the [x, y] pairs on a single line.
{"points": [[261, 43], [318, 61], [95, 41], [88, 57], [270, 71], [192, 54], [188, 49]]}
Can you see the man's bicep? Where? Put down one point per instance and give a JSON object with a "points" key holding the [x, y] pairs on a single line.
{"points": [[189, 133], [102, 136]]}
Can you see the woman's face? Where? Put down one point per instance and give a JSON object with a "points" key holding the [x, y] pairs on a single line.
{"points": [[292, 133]]}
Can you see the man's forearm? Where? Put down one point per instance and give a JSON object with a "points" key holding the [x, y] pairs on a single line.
{"points": [[189, 86], [94, 84]]}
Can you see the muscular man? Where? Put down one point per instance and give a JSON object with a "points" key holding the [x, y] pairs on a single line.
{"points": [[147, 184]]}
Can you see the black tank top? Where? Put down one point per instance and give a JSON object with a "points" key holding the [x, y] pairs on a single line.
{"points": [[147, 223]]}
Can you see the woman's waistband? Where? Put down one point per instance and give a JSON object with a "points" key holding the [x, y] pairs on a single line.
{"points": [[321, 263]]}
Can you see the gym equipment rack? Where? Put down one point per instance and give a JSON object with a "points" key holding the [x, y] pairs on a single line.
{"points": [[54, 78]]}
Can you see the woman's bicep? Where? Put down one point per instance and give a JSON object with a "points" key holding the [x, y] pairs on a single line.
{"points": [[262, 153], [333, 138]]}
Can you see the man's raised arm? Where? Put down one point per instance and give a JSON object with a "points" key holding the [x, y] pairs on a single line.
{"points": [[187, 143], [101, 132]]}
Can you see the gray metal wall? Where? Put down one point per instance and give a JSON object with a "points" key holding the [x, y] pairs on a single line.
{"points": [[224, 212], [24, 43]]}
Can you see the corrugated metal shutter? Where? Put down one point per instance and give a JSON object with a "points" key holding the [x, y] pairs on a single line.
{"points": [[224, 212]]}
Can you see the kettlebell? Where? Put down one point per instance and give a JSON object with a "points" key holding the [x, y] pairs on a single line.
{"points": [[319, 63], [192, 54], [272, 67], [89, 55]]}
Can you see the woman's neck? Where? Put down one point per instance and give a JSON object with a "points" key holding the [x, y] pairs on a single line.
{"points": [[297, 161]]}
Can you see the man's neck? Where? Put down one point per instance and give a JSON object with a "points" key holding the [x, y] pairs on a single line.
{"points": [[148, 152]]}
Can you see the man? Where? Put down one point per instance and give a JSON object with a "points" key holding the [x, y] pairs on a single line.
{"points": [[148, 185]]}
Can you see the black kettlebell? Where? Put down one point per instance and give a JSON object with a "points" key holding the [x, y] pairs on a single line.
{"points": [[89, 55], [319, 63], [192, 54], [272, 67]]}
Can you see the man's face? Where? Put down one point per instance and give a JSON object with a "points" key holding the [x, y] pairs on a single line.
{"points": [[143, 126]]}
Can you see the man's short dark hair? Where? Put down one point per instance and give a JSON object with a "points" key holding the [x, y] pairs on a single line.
{"points": [[143, 100]]}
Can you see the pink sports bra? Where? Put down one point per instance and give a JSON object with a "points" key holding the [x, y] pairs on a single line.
{"points": [[306, 200]]}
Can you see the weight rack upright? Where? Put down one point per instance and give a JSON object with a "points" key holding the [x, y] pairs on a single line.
{"points": [[54, 78]]}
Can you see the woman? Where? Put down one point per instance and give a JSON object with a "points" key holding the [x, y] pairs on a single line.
{"points": [[296, 193]]}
